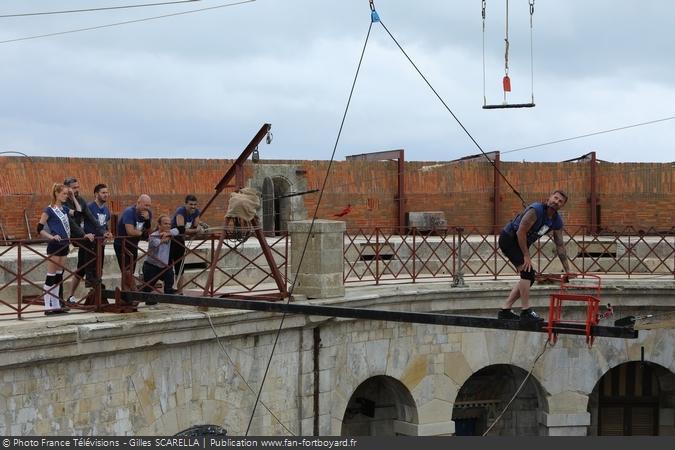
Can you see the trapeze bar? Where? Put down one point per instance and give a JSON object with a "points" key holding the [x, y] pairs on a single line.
{"points": [[509, 105]]}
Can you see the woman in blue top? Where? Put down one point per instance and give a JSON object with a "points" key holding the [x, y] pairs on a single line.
{"points": [[56, 217]]}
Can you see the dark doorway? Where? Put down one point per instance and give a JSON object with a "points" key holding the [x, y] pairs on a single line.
{"points": [[376, 407], [626, 400], [485, 394]]}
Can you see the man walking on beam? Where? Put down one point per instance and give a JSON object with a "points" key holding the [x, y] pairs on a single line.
{"points": [[514, 241]]}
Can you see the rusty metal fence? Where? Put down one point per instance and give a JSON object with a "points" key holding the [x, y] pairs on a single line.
{"points": [[240, 270], [23, 267], [371, 256], [384, 255]]}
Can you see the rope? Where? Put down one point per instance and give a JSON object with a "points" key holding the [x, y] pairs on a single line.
{"points": [[234, 367], [483, 5], [517, 390], [506, 47], [311, 227], [106, 8], [127, 22], [454, 116], [531, 51], [589, 134]]}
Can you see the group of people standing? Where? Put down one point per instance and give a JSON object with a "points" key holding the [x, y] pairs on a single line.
{"points": [[70, 216]]}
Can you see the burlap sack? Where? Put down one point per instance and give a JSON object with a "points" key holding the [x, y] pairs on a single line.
{"points": [[243, 204]]}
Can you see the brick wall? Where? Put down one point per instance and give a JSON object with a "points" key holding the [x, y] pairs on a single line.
{"points": [[637, 194]]}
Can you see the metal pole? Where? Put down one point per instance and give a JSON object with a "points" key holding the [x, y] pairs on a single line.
{"points": [[19, 279], [375, 314], [496, 204], [594, 194]]}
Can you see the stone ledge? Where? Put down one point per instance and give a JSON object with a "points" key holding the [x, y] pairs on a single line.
{"points": [[40, 339], [320, 226], [427, 429], [565, 420]]}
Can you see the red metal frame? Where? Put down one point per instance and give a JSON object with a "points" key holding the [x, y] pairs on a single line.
{"points": [[575, 292]]}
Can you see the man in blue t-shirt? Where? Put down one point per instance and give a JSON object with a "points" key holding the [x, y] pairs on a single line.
{"points": [[514, 241], [133, 225], [100, 227], [186, 220]]}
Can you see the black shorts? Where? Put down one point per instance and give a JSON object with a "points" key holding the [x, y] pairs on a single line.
{"points": [[508, 244], [58, 248]]}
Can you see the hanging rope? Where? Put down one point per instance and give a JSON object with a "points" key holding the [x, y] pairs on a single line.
{"points": [[507, 81], [483, 7], [520, 388], [374, 18], [459, 122], [531, 51]]}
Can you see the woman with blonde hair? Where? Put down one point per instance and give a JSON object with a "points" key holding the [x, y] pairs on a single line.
{"points": [[55, 216]]}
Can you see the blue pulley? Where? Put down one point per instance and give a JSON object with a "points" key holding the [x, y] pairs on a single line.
{"points": [[374, 17]]}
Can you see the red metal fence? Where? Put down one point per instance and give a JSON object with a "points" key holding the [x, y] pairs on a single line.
{"points": [[391, 254], [378, 255], [240, 270]]}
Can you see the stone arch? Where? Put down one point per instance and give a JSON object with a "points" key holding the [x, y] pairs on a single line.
{"points": [[484, 395], [633, 398], [380, 406], [203, 431]]}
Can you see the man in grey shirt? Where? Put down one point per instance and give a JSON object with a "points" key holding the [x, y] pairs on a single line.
{"points": [[156, 265]]}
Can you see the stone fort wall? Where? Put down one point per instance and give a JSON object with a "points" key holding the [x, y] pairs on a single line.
{"points": [[161, 371]]}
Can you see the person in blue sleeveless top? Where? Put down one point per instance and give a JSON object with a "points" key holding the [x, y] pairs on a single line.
{"points": [[186, 220], [514, 241], [133, 225], [57, 218]]}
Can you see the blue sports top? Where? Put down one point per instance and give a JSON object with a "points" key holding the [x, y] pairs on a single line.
{"points": [[133, 217], [541, 226], [57, 221], [102, 216], [189, 219]]}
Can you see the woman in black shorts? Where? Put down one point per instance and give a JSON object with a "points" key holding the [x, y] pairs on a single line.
{"points": [[56, 217]]}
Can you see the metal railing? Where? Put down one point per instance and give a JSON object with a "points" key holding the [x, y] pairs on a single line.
{"points": [[23, 267], [381, 255], [240, 270]]}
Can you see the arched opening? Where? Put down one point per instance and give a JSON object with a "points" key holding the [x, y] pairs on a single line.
{"points": [[380, 406], [282, 204], [268, 210], [203, 431], [485, 395], [276, 205], [633, 399]]}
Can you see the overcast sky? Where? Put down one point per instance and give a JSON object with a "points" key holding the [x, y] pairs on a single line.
{"points": [[201, 85]]}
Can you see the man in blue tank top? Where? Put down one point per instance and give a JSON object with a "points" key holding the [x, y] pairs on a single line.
{"points": [[514, 241]]}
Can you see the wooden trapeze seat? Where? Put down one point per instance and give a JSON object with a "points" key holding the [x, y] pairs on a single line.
{"points": [[509, 105]]}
